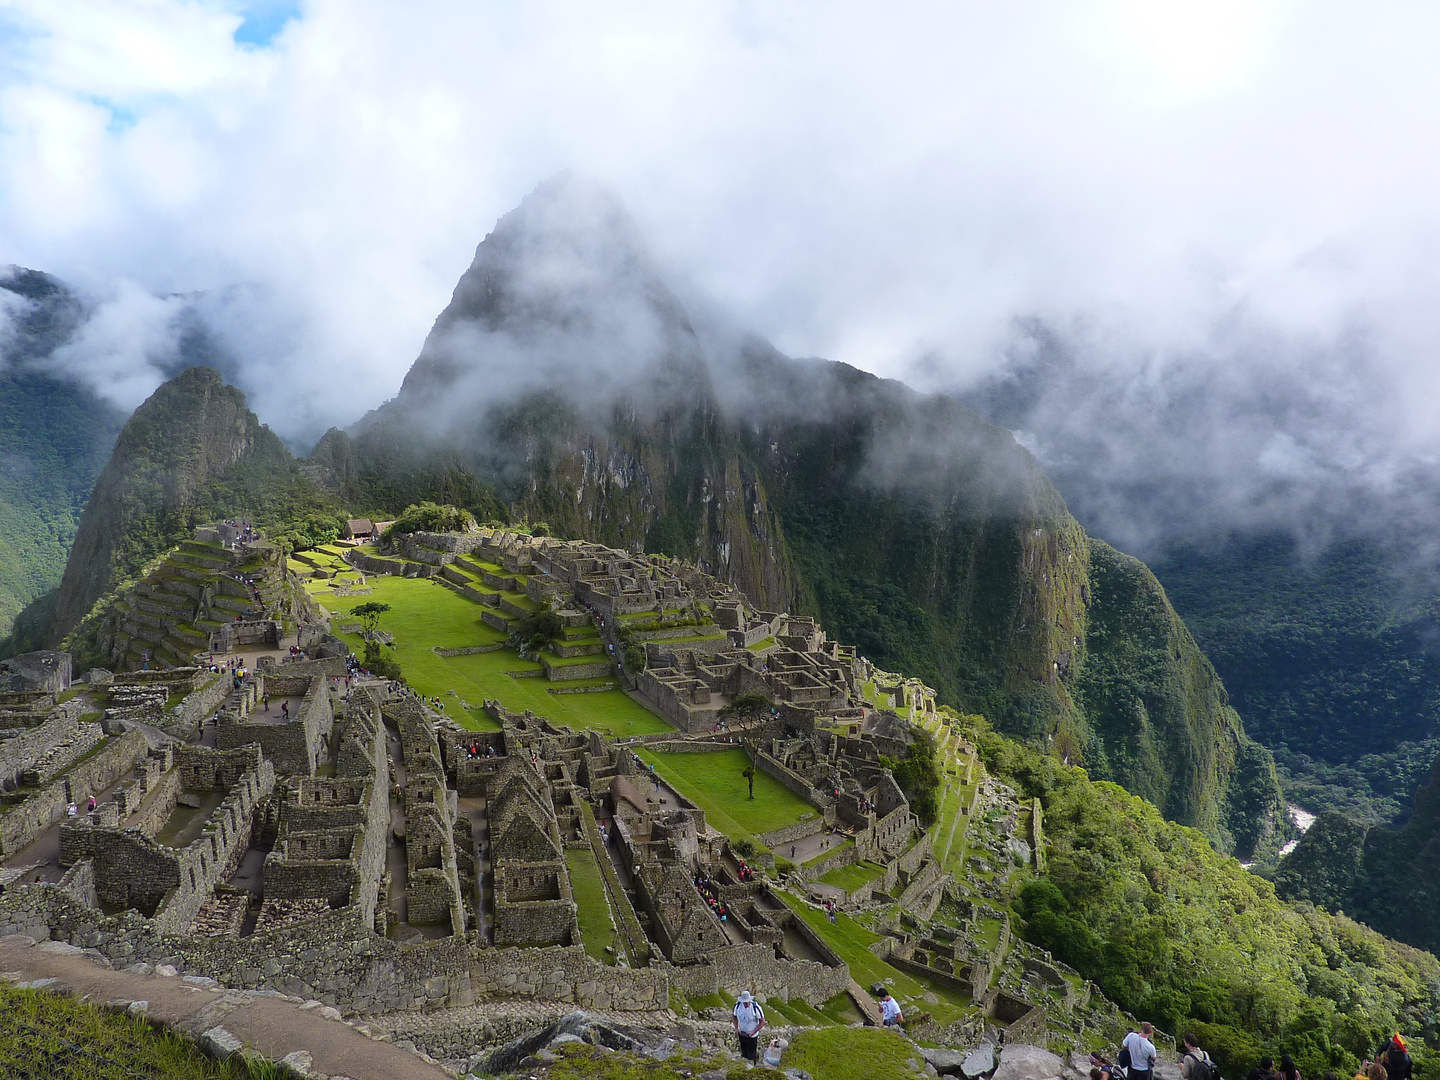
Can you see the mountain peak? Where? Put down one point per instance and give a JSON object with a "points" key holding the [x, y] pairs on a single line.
{"points": [[564, 299]]}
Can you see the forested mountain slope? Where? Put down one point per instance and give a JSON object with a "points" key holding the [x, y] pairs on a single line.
{"points": [[54, 439], [191, 453]]}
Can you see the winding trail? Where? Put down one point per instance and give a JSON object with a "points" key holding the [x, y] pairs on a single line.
{"points": [[270, 1025]]}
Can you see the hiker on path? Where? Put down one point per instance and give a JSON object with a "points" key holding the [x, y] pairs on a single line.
{"points": [[749, 1020], [1196, 1064], [1142, 1052], [890, 1015]]}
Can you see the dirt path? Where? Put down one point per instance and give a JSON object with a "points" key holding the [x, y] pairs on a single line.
{"points": [[272, 1026]]}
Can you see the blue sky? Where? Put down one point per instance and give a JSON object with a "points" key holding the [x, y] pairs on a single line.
{"points": [[263, 21]]}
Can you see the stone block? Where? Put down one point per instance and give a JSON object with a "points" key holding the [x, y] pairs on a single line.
{"points": [[219, 1043]]}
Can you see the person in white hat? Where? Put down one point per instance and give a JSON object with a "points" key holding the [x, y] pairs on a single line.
{"points": [[749, 1019]]}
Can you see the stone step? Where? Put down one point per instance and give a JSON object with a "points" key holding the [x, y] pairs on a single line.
{"points": [[868, 1006]]}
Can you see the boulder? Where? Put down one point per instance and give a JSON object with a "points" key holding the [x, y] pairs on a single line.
{"points": [[951, 1061], [978, 1062], [1021, 1062], [137, 1008]]}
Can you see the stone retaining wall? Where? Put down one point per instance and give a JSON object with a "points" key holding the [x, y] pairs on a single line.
{"points": [[199, 705], [339, 960], [756, 968], [799, 831]]}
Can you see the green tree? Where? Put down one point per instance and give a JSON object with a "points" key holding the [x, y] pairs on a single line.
{"points": [[430, 517], [369, 615], [535, 633]]}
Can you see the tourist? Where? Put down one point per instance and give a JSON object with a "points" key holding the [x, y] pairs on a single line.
{"points": [[749, 1020], [1196, 1064], [1288, 1071], [1142, 1052], [1266, 1071], [1396, 1059], [90, 805], [890, 1014], [72, 810], [1101, 1068]]}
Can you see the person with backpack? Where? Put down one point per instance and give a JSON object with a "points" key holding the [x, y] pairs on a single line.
{"points": [[749, 1019], [1396, 1059], [1141, 1048], [1196, 1064]]}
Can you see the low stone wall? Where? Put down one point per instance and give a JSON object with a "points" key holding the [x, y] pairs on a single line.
{"points": [[756, 968], [791, 779], [468, 650]]}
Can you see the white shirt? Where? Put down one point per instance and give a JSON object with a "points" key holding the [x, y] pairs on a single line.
{"points": [[1142, 1052], [749, 1014], [890, 1009]]}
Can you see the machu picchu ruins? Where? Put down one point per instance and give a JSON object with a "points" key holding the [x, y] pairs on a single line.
{"points": [[240, 798]]}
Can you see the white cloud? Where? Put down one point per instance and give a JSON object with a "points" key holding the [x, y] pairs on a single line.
{"points": [[888, 187]]}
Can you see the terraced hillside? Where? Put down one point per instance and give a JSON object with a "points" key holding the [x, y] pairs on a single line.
{"points": [[450, 631], [160, 618]]}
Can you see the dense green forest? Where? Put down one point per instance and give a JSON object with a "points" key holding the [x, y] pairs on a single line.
{"points": [[1182, 935], [54, 439], [1329, 656]]}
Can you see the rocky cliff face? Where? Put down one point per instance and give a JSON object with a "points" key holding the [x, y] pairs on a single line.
{"points": [[567, 382]]}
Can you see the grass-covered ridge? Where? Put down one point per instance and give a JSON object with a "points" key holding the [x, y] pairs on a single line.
{"points": [[1172, 930]]}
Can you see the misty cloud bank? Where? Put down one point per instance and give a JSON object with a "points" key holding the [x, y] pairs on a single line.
{"points": [[1188, 251]]}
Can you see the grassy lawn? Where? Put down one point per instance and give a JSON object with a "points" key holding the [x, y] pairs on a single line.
{"points": [[597, 929], [852, 942], [846, 1053], [425, 615], [715, 784], [853, 876], [36, 1027]]}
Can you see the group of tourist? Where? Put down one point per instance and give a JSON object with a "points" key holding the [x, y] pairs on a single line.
{"points": [[474, 750], [711, 894], [1137, 1058], [746, 874], [830, 909]]}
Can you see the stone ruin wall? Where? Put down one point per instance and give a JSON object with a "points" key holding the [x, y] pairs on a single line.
{"points": [[132, 869], [21, 753], [339, 960], [294, 748], [25, 822]]}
